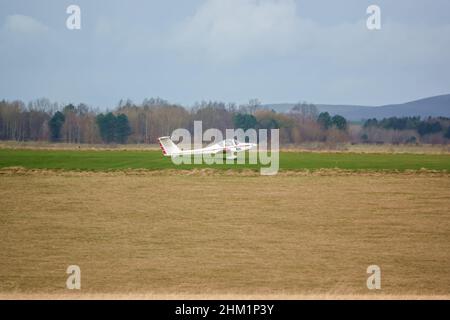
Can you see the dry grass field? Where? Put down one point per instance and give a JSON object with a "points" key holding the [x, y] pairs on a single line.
{"points": [[184, 235]]}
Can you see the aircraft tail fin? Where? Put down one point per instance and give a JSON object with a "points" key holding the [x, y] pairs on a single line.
{"points": [[167, 146]]}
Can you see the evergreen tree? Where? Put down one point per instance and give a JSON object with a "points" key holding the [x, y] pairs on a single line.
{"points": [[340, 122], [107, 126], [123, 128], [113, 128], [447, 134], [55, 124], [244, 121], [324, 120]]}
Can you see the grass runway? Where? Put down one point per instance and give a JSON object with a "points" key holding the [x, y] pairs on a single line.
{"points": [[100, 160]]}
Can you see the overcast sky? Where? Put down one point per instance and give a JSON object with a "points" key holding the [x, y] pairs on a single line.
{"points": [[229, 50]]}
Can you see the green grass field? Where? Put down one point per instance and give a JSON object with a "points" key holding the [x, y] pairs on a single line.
{"points": [[153, 160]]}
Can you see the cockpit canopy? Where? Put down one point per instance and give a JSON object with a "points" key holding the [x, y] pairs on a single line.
{"points": [[230, 142]]}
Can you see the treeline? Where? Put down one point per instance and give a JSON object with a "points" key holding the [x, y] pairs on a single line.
{"points": [[43, 120], [407, 130]]}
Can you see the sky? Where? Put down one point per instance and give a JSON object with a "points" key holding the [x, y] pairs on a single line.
{"points": [[224, 50]]}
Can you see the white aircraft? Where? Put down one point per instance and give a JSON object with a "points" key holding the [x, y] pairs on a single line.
{"points": [[228, 146]]}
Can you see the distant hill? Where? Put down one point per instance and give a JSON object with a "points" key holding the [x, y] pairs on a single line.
{"points": [[433, 106]]}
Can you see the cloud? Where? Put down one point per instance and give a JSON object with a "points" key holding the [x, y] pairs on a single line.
{"points": [[234, 29], [22, 24]]}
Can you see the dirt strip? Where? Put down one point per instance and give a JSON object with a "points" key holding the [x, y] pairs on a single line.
{"points": [[218, 172]]}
